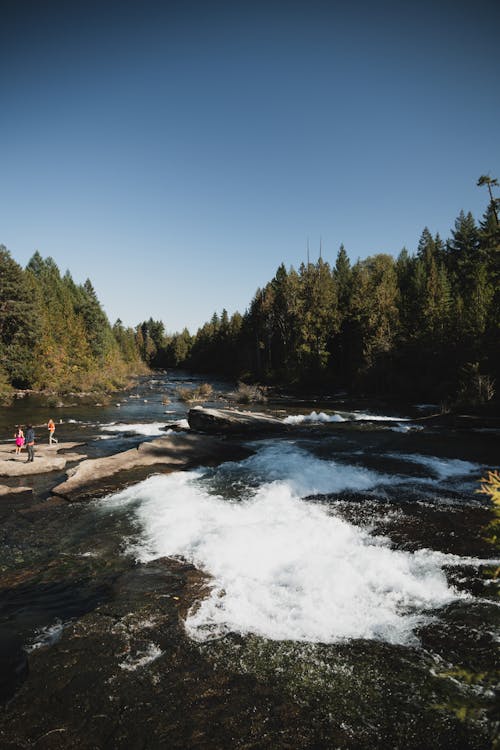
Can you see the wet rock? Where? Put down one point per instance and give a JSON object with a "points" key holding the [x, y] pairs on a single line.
{"points": [[13, 664], [460, 421], [14, 498], [5, 490], [126, 676]]}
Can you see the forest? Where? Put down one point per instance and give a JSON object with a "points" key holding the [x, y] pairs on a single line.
{"points": [[423, 325], [54, 334]]}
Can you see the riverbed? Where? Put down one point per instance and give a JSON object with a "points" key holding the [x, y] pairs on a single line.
{"points": [[331, 587]]}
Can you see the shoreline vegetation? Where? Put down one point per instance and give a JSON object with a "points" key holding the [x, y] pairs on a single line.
{"points": [[55, 337], [419, 326]]}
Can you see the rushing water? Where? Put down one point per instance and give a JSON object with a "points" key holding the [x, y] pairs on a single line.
{"points": [[351, 571]]}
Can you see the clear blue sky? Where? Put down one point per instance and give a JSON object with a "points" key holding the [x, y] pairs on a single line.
{"points": [[177, 152]]}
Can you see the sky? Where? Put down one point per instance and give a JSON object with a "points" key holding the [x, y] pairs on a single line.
{"points": [[176, 153]]}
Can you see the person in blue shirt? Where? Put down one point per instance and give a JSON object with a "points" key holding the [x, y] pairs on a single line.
{"points": [[30, 442]]}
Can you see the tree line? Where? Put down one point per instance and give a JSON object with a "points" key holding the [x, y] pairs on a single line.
{"points": [[54, 334], [425, 324]]}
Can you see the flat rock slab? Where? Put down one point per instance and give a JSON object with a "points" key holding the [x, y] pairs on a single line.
{"points": [[170, 452], [47, 458], [5, 490], [233, 421]]}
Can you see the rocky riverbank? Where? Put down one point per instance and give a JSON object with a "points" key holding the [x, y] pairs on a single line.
{"points": [[96, 646]]}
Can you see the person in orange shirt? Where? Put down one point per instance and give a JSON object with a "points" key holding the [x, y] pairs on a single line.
{"points": [[51, 428]]}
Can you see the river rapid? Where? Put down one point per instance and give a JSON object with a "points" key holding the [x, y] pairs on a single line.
{"points": [[331, 588]]}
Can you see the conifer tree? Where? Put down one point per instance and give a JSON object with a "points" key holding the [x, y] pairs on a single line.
{"points": [[19, 324], [98, 331], [343, 277], [494, 202]]}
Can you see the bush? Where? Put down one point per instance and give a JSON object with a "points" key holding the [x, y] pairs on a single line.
{"points": [[474, 388], [247, 394], [202, 393]]}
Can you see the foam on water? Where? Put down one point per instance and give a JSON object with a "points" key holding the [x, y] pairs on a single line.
{"points": [[444, 468], [147, 429], [47, 636], [316, 417], [133, 662], [400, 427], [306, 474], [377, 417], [313, 417], [283, 567], [181, 424]]}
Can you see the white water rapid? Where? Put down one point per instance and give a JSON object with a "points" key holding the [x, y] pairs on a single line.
{"points": [[281, 566]]}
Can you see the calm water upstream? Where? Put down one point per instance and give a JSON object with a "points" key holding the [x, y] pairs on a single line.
{"points": [[334, 588]]}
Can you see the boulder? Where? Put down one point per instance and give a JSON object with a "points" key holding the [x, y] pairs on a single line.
{"points": [[233, 421]]}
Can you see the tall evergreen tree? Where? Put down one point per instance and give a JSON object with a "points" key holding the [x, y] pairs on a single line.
{"points": [[19, 323], [494, 202]]}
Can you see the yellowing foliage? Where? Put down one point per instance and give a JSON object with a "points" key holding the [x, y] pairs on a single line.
{"points": [[490, 485]]}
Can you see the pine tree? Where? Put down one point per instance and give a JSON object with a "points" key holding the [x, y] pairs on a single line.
{"points": [[319, 320], [463, 249], [494, 202], [374, 314], [96, 324], [19, 323], [343, 277]]}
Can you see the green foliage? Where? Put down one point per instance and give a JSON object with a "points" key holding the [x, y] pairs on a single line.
{"points": [[6, 391], [407, 326], [424, 325], [54, 334], [19, 322], [490, 485]]}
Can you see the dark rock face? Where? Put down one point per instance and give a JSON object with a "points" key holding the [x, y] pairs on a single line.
{"points": [[126, 676], [13, 664]]}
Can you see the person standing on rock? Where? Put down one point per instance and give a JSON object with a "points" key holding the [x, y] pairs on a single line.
{"points": [[51, 428], [30, 442], [19, 437]]}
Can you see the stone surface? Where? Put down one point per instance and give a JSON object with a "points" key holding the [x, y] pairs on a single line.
{"points": [[233, 421], [47, 458], [172, 452], [125, 676], [5, 490]]}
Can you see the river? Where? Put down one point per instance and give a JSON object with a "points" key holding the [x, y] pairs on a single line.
{"points": [[330, 589]]}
